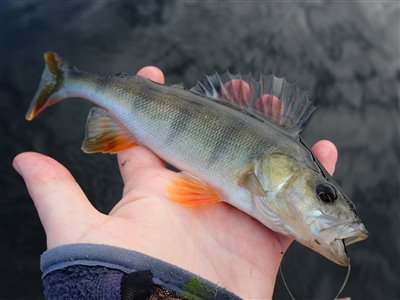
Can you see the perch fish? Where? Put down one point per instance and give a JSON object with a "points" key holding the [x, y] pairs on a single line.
{"points": [[235, 139]]}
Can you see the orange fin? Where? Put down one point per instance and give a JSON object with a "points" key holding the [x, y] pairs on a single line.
{"points": [[189, 191], [103, 134]]}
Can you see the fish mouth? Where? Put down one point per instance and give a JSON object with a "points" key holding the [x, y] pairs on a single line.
{"points": [[350, 232], [337, 238]]}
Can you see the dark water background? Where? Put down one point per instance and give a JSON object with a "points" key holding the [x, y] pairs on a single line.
{"points": [[345, 52]]}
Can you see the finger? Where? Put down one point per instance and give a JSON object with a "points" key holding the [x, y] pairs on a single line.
{"points": [[327, 154], [133, 161], [152, 73], [284, 241], [60, 202]]}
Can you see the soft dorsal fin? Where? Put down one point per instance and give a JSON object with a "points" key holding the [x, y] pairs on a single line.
{"points": [[103, 134], [270, 98]]}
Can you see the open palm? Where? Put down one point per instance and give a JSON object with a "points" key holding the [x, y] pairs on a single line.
{"points": [[217, 242]]}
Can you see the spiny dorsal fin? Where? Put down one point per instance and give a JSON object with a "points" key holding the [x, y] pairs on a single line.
{"points": [[270, 98], [103, 134]]}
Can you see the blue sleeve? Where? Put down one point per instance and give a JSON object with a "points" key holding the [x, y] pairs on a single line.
{"points": [[93, 271]]}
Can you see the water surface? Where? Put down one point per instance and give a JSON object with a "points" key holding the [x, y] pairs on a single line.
{"points": [[345, 52]]}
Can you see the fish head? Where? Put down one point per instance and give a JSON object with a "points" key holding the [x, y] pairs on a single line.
{"points": [[310, 206]]}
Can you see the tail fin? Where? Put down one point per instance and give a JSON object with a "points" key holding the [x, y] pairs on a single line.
{"points": [[54, 75]]}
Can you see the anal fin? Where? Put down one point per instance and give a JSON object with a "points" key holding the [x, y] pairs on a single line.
{"points": [[189, 191], [103, 134]]}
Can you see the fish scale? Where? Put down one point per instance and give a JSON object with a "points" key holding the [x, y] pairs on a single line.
{"points": [[154, 114]]}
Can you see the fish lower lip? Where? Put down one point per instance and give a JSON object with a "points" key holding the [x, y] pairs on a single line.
{"points": [[340, 256]]}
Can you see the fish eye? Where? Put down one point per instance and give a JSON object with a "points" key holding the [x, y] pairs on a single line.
{"points": [[326, 193]]}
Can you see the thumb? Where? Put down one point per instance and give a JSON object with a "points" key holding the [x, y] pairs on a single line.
{"points": [[327, 154], [63, 208]]}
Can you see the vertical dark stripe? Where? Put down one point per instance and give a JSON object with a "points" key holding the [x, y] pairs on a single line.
{"points": [[146, 104], [101, 82], [225, 140], [183, 118]]}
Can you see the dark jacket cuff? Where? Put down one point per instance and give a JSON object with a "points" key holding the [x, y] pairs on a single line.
{"points": [[94, 268]]}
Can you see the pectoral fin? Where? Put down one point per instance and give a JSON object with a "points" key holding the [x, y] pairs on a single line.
{"points": [[189, 191], [103, 134]]}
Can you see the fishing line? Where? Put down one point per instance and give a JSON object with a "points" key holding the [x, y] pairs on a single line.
{"points": [[346, 279], [284, 281]]}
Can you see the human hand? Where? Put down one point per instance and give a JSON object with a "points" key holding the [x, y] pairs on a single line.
{"points": [[217, 242]]}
